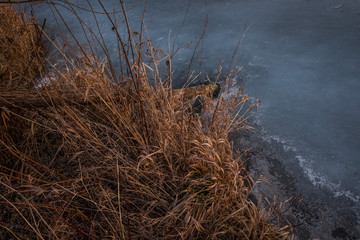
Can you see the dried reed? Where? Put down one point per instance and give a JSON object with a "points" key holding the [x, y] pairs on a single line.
{"points": [[141, 165], [21, 51]]}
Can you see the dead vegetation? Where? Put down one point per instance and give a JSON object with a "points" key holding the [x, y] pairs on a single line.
{"points": [[21, 52], [141, 165]]}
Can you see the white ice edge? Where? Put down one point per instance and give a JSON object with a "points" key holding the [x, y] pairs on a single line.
{"points": [[315, 178]]}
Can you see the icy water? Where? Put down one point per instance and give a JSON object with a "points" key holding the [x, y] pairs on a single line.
{"points": [[302, 60], [300, 57]]}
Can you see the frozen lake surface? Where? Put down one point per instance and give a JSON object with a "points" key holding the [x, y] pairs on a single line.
{"points": [[300, 57]]}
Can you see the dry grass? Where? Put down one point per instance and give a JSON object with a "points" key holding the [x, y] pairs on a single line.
{"points": [[141, 165], [21, 52]]}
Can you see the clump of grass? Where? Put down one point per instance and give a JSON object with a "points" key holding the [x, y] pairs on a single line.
{"points": [[130, 160], [21, 51]]}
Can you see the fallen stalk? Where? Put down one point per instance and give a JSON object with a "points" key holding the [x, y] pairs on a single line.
{"points": [[41, 98]]}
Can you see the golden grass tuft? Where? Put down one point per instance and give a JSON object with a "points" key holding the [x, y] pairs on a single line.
{"points": [[136, 162], [21, 52]]}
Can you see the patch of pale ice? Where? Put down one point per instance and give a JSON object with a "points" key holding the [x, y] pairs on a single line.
{"points": [[306, 165], [44, 82], [257, 61]]}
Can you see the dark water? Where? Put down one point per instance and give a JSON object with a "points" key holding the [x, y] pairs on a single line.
{"points": [[300, 57]]}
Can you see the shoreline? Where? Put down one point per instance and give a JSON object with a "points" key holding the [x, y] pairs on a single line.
{"points": [[315, 213]]}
